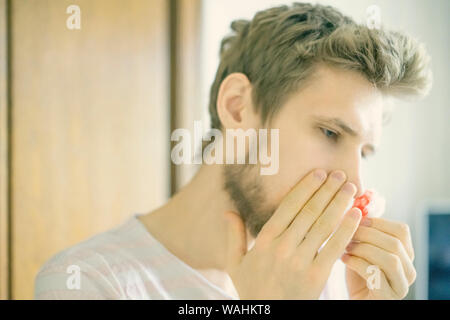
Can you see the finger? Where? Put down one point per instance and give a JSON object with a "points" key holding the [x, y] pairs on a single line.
{"points": [[292, 204], [389, 243], [236, 242], [388, 262], [328, 221], [397, 229], [335, 247], [314, 208], [364, 269]]}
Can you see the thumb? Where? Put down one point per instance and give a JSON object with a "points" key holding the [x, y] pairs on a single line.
{"points": [[237, 240]]}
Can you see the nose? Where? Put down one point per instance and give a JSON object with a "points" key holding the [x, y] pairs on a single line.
{"points": [[351, 165], [357, 181]]}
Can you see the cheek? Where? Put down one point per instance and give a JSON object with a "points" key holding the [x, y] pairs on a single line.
{"points": [[297, 158]]}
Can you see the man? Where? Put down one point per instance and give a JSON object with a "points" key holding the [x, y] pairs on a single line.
{"points": [[320, 79]]}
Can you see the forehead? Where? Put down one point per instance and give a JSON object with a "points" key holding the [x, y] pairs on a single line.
{"points": [[341, 94]]}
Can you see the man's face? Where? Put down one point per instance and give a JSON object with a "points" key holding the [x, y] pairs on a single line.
{"points": [[332, 123]]}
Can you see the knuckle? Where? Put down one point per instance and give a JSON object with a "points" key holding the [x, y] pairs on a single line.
{"points": [[412, 276], [394, 262], [404, 229], [309, 210], [396, 245], [309, 214], [281, 250], [397, 264]]}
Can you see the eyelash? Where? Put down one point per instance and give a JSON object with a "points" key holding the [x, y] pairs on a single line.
{"points": [[336, 137]]}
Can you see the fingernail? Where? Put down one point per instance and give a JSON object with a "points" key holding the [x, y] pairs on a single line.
{"points": [[348, 188], [344, 257], [338, 175], [367, 222], [350, 246], [320, 174]]}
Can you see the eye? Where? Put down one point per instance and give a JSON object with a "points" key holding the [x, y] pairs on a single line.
{"points": [[330, 134]]}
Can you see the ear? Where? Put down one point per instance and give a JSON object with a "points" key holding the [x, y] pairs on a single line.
{"points": [[234, 105]]}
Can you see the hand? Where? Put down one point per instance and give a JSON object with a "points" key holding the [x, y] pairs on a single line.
{"points": [[284, 262], [387, 245]]}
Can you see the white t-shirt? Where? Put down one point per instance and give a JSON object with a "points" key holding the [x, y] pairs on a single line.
{"points": [[127, 262]]}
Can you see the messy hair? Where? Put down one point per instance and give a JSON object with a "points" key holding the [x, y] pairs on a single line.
{"points": [[280, 47]]}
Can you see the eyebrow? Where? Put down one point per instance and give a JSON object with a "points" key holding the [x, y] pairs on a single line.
{"points": [[345, 127]]}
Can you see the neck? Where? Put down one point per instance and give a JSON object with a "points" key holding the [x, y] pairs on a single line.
{"points": [[192, 224]]}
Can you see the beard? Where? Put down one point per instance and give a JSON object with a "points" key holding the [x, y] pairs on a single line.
{"points": [[243, 183]]}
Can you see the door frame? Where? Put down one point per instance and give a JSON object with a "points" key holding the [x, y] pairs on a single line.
{"points": [[5, 145]]}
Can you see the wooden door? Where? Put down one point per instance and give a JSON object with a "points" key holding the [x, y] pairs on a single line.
{"points": [[89, 123]]}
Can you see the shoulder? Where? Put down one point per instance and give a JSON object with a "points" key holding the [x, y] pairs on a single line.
{"points": [[85, 270]]}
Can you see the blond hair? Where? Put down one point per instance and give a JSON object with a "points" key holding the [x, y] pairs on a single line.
{"points": [[278, 49]]}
